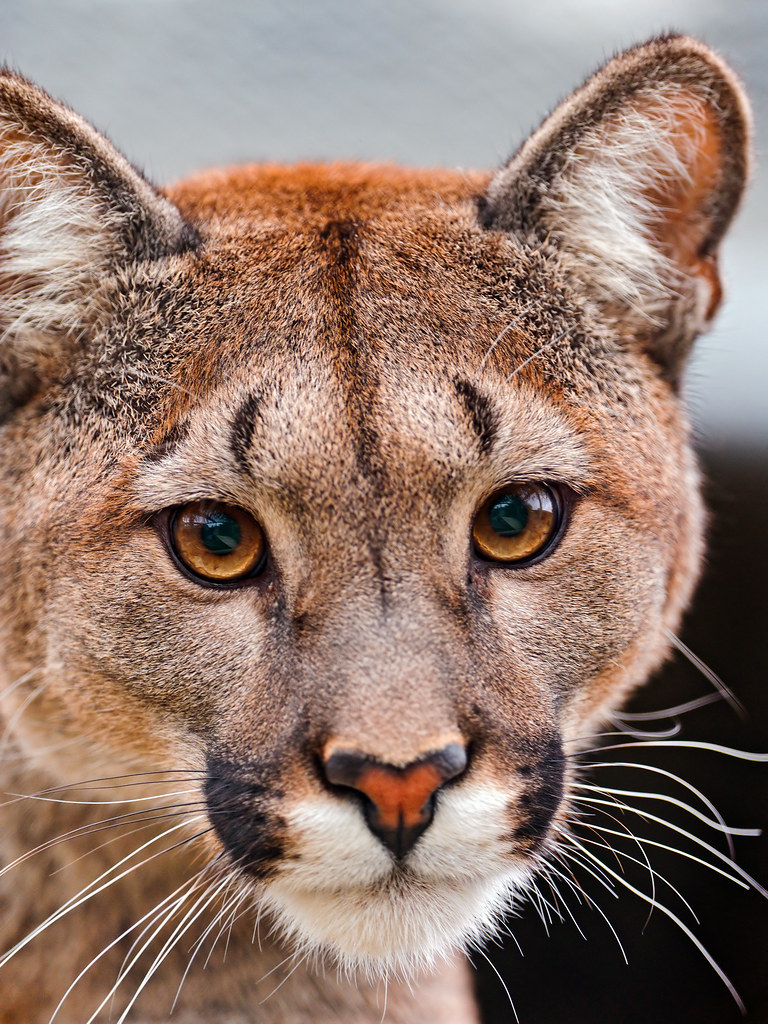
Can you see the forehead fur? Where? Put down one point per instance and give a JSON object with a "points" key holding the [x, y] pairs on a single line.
{"points": [[380, 275], [302, 193], [324, 332]]}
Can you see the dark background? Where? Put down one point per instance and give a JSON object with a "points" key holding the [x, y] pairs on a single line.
{"points": [[184, 84]]}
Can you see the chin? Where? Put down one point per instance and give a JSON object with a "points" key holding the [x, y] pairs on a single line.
{"points": [[342, 899]]}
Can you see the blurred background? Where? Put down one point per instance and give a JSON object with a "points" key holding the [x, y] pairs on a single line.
{"points": [[184, 84]]}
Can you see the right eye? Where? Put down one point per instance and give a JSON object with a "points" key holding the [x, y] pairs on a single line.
{"points": [[217, 542]]}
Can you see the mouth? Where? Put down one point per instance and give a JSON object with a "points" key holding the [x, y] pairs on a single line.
{"points": [[339, 886], [340, 894]]}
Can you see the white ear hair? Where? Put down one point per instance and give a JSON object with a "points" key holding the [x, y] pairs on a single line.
{"points": [[636, 177], [56, 239], [70, 207], [604, 196]]}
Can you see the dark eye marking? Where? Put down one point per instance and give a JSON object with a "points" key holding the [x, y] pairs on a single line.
{"points": [[241, 434], [480, 411]]}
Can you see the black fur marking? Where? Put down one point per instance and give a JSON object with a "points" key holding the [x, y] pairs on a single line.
{"points": [[341, 239], [242, 428], [375, 547], [481, 412], [342, 244], [544, 792], [240, 800]]}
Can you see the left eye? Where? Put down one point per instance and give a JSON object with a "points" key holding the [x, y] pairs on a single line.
{"points": [[217, 542], [517, 524]]}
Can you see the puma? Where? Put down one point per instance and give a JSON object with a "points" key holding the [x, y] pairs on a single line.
{"points": [[339, 506]]}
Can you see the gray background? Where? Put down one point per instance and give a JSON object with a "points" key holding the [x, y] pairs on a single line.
{"points": [[184, 84]]}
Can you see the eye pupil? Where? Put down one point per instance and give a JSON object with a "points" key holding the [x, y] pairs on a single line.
{"points": [[220, 534], [508, 516]]}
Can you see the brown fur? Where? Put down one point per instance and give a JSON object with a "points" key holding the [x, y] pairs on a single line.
{"points": [[359, 356]]}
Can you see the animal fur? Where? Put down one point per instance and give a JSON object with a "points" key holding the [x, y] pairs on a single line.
{"points": [[359, 356]]}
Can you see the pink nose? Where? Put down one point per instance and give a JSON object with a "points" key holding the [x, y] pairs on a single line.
{"points": [[399, 802]]}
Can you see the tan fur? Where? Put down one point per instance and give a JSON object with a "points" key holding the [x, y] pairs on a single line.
{"points": [[358, 356]]}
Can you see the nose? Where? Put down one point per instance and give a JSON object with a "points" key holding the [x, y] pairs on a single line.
{"points": [[399, 801]]}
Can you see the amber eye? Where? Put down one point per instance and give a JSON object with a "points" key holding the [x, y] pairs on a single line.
{"points": [[517, 523], [217, 542]]}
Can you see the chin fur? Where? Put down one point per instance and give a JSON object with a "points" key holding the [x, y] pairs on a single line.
{"points": [[344, 899], [398, 929]]}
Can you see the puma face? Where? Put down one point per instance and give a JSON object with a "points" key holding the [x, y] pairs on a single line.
{"points": [[356, 496]]}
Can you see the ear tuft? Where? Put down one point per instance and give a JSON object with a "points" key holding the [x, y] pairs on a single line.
{"points": [[71, 208], [637, 176]]}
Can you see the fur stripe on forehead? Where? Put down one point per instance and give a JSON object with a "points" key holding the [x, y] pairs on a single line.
{"points": [[291, 436]]}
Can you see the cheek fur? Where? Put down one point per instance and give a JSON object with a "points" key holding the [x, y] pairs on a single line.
{"points": [[572, 617]]}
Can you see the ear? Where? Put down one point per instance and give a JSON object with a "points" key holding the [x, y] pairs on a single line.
{"points": [[636, 176], [72, 209]]}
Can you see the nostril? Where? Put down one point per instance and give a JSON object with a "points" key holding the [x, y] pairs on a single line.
{"points": [[399, 801]]}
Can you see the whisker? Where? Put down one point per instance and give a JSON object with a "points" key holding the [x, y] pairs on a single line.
{"points": [[88, 891], [146, 375], [198, 907], [11, 756], [538, 352], [592, 903], [24, 678], [648, 734], [192, 915], [175, 895], [502, 334], [151, 778], [510, 934], [714, 748], [228, 903], [671, 849], [547, 871], [14, 719], [677, 709], [272, 970], [301, 960], [533, 895], [725, 692], [91, 828], [197, 946], [644, 863], [491, 964], [594, 870], [386, 996], [676, 920], [625, 833], [233, 914], [744, 880], [96, 803], [718, 824], [618, 732], [142, 824]]}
